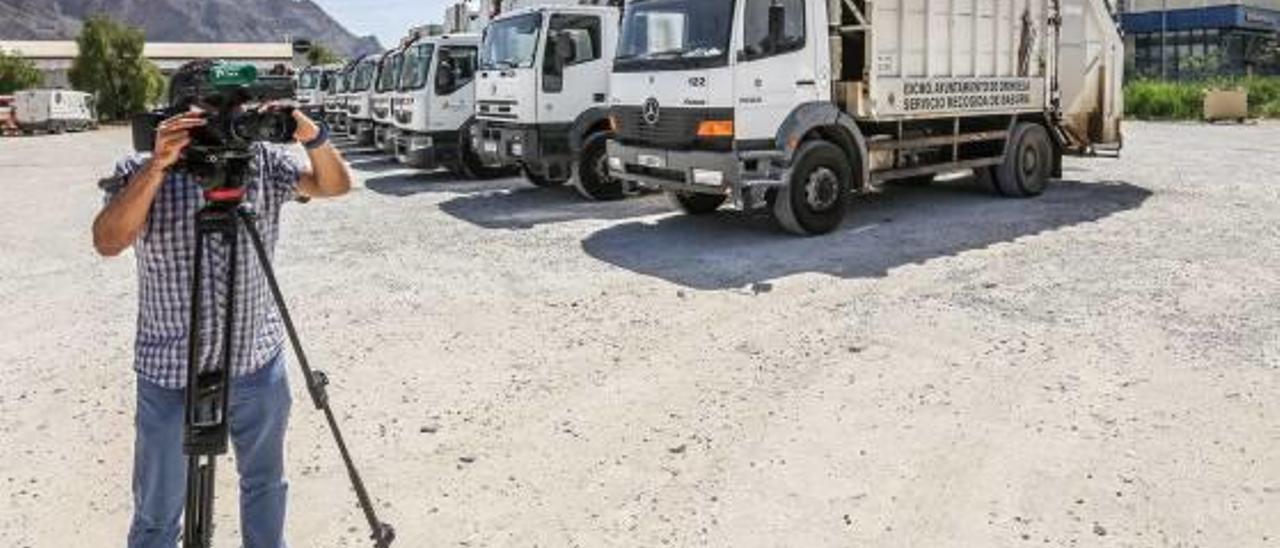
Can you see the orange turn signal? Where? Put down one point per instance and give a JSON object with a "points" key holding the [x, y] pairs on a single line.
{"points": [[715, 128], [613, 122]]}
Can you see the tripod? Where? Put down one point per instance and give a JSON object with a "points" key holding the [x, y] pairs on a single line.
{"points": [[208, 393]]}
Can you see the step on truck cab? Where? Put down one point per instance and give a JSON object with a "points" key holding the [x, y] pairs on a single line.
{"points": [[435, 106], [384, 87], [792, 105], [542, 92], [359, 99]]}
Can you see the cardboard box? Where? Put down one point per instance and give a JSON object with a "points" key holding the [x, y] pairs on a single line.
{"points": [[1226, 104]]}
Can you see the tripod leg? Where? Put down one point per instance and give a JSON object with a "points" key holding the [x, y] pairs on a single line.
{"points": [[198, 523], [208, 393], [382, 533]]}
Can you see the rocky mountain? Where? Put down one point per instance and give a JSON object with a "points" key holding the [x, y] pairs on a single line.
{"points": [[185, 21]]}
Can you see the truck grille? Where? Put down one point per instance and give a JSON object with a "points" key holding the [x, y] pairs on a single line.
{"points": [[677, 128]]}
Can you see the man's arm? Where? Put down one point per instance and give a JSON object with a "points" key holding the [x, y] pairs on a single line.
{"points": [[329, 175], [120, 222]]}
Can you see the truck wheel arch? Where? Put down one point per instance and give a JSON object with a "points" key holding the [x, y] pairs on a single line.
{"points": [[588, 123], [822, 119]]}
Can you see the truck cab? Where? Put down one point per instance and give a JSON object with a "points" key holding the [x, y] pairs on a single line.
{"points": [[542, 92], [384, 87], [314, 84], [436, 104], [793, 105], [359, 99], [335, 100]]}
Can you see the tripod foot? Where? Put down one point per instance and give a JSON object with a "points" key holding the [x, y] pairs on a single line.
{"points": [[383, 535]]}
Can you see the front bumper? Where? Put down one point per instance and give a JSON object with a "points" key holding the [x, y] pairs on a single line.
{"points": [[745, 176], [416, 150], [384, 137], [543, 150], [502, 144], [360, 129]]}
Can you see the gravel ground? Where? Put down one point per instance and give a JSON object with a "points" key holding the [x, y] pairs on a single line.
{"points": [[514, 367]]}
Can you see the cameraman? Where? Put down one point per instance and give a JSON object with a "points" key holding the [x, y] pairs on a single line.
{"points": [[152, 208]]}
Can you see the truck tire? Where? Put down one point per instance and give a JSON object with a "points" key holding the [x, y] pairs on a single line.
{"points": [[1028, 162], [57, 128], [696, 203], [591, 176], [813, 202]]}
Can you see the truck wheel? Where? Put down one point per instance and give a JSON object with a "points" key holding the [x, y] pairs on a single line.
{"points": [[813, 201], [592, 177], [57, 128], [696, 203], [542, 181], [1028, 162]]}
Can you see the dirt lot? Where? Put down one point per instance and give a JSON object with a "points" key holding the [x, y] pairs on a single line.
{"points": [[1097, 367]]}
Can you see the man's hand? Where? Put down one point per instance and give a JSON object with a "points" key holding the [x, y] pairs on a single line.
{"points": [[329, 175], [172, 136], [307, 129]]}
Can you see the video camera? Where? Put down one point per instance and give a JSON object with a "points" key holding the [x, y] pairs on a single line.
{"points": [[230, 95]]}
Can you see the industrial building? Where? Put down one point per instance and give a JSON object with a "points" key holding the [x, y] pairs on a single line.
{"points": [[1185, 39]]}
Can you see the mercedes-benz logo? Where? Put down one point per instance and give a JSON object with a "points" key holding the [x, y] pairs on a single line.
{"points": [[651, 111]]}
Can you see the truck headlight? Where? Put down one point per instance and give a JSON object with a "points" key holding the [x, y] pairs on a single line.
{"points": [[517, 149], [615, 163], [708, 177]]}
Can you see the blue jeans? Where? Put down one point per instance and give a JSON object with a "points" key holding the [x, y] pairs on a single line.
{"points": [[258, 418]]}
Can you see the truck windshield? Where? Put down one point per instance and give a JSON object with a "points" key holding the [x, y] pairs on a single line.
{"points": [[417, 63], [364, 75], [389, 78], [675, 35], [309, 79], [511, 43]]}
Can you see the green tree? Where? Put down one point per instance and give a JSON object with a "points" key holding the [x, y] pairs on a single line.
{"points": [[111, 66], [17, 72], [320, 55]]}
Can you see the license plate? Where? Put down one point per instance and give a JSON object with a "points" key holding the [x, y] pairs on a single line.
{"points": [[490, 146], [649, 160]]}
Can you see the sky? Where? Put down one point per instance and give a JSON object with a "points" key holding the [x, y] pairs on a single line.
{"points": [[386, 19]]}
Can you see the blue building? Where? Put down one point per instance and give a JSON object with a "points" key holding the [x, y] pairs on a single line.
{"points": [[1169, 39]]}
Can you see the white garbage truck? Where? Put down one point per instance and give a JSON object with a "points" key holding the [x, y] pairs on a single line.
{"points": [[542, 94], [359, 98], [793, 105], [314, 86], [435, 107], [385, 86], [54, 110], [335, 99]]}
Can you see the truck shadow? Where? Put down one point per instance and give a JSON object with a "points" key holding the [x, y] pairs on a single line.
{"points": [[900, 226], [524, 206], [442, 181]]}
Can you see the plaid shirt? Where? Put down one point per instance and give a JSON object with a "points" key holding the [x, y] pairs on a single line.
{"points": [[164, 252]]}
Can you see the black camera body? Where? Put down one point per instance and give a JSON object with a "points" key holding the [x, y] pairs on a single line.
{"points": [[230, 96]]}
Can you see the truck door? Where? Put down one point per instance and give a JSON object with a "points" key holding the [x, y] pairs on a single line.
{"points": [[775, 67], [580, 79], [454, 99]]}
